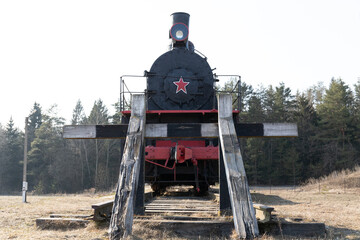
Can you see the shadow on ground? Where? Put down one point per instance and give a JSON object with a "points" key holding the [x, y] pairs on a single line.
{"points": [[270, 199], [342, 233]]}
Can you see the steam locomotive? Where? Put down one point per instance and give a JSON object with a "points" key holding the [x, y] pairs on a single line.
{"points": [[180, 89]]}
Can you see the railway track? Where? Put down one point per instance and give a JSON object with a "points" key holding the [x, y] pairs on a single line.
{"points": [[186, 216], [181, 210]]}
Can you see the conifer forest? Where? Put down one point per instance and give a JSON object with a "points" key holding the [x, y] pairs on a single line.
{"points": [[328, 120]]}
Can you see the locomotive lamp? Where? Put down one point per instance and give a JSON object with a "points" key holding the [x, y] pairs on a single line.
{"points": [[179, 32]]}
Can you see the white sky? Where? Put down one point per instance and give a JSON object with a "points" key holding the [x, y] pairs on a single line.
{"points": [[61, 51]]}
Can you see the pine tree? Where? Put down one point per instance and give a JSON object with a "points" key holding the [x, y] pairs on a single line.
{"points": [[51, 166], [3, 159], [279, 106], [253, 153], [99, 115], [12, 155], [356, 132], [35, 120], [246, 90], [116, 118], [78, 116], [336, 126], [306, 143], [77, 147]]}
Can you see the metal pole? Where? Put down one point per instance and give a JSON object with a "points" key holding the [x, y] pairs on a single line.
{"points": [[25, 184], [239, 93], [121, 94]]}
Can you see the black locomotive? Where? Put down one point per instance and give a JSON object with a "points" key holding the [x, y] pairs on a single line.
{"points": [[180, 79], [180, 89]]}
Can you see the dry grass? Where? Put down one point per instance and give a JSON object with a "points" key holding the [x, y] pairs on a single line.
{"points": [[339, 211], [346, 180], [18, 219], [335, 205], [333, 200]]}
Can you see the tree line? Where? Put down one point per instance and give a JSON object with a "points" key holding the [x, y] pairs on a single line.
{"points": [[56, 164], [328, 120]]}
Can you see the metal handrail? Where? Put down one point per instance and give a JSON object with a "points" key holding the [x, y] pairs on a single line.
{"points": [[237, 86], [122, 100]]}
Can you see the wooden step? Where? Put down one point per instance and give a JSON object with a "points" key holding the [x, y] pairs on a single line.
{"points": [[175, 221], [70, 216], [179, 211]]}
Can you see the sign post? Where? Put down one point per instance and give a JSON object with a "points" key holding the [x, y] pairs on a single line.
{"points": [[25, 184]]}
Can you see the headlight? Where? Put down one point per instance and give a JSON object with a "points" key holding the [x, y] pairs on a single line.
{"points": [[179, 32]]}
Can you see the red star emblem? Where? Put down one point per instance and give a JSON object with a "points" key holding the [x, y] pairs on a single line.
{"points": [[181, 85]]}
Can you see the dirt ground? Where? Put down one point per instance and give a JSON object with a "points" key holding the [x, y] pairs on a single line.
{"points": [[338, 209]]}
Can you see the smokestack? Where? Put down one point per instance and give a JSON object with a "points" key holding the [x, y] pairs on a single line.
{"points": [[179, 31], [181, 17]]}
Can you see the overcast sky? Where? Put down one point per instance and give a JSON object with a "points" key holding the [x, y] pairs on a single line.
{"points": [[61, 51]]}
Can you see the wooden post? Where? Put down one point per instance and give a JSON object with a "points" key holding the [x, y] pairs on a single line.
{"points": [[243, 212], [123, 208], [25, 184]]}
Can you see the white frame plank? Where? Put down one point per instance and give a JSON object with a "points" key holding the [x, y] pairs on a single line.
{"points": [[243, 212], [123, 208]]}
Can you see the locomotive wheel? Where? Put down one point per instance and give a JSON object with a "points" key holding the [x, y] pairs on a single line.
{"points": [[203, 187], [158, 189]]}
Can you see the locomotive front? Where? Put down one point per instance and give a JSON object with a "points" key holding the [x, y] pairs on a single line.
{"points": [[180, 79], [180, 89]]}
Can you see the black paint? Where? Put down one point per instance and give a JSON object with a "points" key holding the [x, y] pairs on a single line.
{"points": [[111, 131], [184, 130], [249, 129]]}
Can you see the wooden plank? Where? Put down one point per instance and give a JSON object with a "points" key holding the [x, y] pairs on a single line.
{"points": [[181, 201], [181, 211], [102, 211], [123, 208], [241, 203], [298, 230], [205, 204], [176, 205], [303, 229], [194, 229], [280, 129], [69, 216], [182, 221], [102, 204], [181, 130], [79, 131], [263, 212], [181, 208], [185, 217], [263, 207]]}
